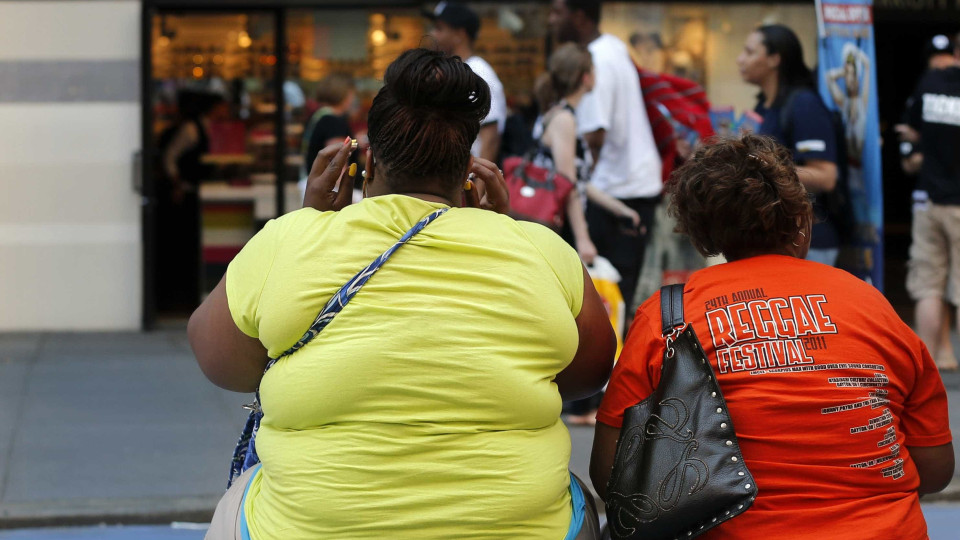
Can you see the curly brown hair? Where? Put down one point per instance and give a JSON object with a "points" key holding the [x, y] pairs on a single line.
{"points": [[741, 197]]}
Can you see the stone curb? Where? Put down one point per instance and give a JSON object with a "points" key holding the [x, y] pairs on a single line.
{"points": [[140, 511]]}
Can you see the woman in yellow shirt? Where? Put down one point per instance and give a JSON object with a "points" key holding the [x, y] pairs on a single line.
{"points": [[430, 406]]}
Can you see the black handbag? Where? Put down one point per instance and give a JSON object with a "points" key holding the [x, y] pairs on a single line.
{"points": [[678, 470]]}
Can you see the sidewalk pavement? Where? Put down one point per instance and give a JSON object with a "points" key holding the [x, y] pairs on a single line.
{"points": [[124, 428]]}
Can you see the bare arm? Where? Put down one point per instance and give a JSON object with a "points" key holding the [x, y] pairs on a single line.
{"points": [[818, 176], [934, 465], [561, 138], [836, 93], [907, 133], [591, 366], [489, 142], [228, 357], [601, 460], [865, 89], [581, 233], [912, 164], [612, 204], [186, 138]]}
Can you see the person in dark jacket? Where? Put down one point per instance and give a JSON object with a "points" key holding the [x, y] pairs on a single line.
{"points": [[772, 59]]}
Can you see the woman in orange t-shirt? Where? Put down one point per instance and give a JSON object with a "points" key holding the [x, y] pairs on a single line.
{"points": [[839, 410]]}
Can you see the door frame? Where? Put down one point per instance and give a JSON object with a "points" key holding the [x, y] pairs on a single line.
{"points": [[149, 191]]}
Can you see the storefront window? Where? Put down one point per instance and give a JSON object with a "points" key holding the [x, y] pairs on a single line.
{"points": [[213, 105]]}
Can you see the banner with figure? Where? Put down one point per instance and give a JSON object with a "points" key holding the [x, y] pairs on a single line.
{"points": [[848, 85]]}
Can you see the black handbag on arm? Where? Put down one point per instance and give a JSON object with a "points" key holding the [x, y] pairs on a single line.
{"points": [[678, 470]]}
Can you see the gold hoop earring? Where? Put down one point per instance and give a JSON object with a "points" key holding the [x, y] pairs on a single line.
{"points": [[804, 235]]}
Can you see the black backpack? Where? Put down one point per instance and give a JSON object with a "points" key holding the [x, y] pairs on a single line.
{"points": [[837, 202]]}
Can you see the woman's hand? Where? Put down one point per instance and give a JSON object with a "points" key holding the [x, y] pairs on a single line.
{"points": [[488, 190], [587, 251], [625, 211], [907, 133], [329, 168]]}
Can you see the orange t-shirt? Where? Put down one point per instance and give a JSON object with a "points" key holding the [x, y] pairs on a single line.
{"points": [[827, 389]]}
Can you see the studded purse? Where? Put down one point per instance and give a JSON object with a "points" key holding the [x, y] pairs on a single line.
{"points": [[678, 470]]}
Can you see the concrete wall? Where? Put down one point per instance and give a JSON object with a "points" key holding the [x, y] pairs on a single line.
{"points": [[70, 254]]}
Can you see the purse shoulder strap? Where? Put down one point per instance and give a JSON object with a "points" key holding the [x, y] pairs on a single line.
{"points": [[671, 308], [346, 293]]}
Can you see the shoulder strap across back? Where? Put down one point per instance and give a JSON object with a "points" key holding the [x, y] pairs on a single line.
{"points": [[671, 307]]}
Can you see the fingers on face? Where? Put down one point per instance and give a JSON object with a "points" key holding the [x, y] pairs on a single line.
{"points": [[471, 192], [345, 193], [323, 158], [339, 161], [496, 196]]}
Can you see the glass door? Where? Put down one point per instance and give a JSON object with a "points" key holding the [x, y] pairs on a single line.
{"points": [[213, 104]]}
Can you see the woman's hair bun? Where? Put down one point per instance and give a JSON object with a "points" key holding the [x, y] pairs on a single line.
{"points": [[424, 120], [427, 79]]}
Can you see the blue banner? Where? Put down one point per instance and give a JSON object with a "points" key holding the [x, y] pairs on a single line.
{"points": [[848, 84]]}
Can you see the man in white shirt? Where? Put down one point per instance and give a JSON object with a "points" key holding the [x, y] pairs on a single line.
{"points": [[613, 120], [455, 28]]}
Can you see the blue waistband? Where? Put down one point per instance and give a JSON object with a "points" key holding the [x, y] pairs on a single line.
{"points": [[579, 503], [577, 500], [244, 531]]}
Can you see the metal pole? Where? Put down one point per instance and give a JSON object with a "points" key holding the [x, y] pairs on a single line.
{"points": [[280, 118], [148, 198], [821, 30]]}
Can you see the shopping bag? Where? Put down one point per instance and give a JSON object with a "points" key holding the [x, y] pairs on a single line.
{"points": [[606, 280]]}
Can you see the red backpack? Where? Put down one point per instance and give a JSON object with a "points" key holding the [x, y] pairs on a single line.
{"points": [[674, 105]]}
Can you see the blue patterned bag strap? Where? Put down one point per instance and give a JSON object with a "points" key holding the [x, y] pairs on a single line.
{"points": [[245, 455]]}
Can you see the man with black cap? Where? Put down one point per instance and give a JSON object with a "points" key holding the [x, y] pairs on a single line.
{"points": [[455, 28], [932, 129]]}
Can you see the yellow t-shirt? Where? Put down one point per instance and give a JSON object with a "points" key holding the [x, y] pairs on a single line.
{"points": [[427, 408]]}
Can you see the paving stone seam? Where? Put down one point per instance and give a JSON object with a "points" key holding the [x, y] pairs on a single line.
{"points": [[7, 459]]}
